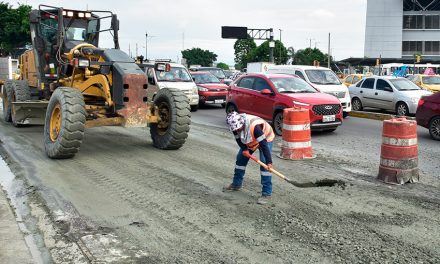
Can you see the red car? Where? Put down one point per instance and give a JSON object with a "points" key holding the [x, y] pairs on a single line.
{"points": [[211, 90], [428, 114], [266, 95]]}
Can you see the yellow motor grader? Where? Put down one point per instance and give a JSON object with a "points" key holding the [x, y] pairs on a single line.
{"points": [[67, 83]]}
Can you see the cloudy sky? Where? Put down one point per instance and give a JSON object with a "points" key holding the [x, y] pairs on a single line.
{"points": [[177, 24]]}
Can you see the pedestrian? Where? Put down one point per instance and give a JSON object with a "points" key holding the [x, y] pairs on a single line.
{"points": [[251, 133]]}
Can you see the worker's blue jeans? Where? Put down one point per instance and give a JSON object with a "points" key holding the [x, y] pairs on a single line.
{"points": [[240, 169]]}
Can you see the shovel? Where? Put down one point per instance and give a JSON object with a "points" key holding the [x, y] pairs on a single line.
{"points": [[320, 183]]}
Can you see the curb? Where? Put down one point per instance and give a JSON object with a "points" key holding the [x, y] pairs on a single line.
{"points": [[375, 116]]}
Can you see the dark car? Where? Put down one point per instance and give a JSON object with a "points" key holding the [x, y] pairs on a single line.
{"points": [[266, 95], [428, 114], [219, 73], [211, 90]]}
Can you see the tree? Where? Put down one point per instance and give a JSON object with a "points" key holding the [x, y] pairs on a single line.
{"points": [[243, 50], [14, 28], [223, 66], [197, 56], [308, 55], [262, 52]]}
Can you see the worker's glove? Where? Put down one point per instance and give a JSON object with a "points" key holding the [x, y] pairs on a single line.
{"points": [[246, 153], [269, 167]]}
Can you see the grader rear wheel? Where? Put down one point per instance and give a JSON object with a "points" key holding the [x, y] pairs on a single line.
{"points": [[174, 111], [64, 124], [6, 100]]}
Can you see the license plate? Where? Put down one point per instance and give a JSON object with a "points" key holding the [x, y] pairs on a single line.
{"points": [[328, 118], [220, 101]]}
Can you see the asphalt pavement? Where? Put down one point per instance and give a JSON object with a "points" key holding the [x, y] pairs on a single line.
{"points": [[121, 200]]}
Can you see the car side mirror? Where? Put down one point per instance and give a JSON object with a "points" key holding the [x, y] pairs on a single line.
{"points": [[151, 80], [194, 79], [266, 92], [388, 89]]}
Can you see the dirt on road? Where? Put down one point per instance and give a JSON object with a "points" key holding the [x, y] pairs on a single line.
{"points": [[121, 200]]}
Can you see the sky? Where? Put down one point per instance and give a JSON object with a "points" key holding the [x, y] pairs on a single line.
{"points": [[174, 25]]}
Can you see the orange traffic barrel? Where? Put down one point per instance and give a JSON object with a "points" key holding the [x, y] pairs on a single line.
{"points": [[297, 142], [399, 152]]}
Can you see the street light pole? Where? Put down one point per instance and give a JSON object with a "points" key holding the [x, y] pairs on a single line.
{"points": [[146, 46]]}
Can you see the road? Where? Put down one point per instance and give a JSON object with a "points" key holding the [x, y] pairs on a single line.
{"points": [[122, 200]]}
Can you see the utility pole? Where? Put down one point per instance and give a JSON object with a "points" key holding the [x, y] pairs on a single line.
{"points": [[136, 49], [310, 42], [329, 51]]}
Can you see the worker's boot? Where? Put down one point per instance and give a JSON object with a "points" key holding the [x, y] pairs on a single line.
{"points": [[231, 188], [264, 199]]}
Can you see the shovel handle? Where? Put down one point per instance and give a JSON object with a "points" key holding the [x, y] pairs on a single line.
{"points": [[271, 170]]}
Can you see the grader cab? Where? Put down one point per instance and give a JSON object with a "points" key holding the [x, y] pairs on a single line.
{"points": [[68, 84]]}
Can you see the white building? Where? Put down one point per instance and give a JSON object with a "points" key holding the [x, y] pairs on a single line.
{"points": [[402, 28]]}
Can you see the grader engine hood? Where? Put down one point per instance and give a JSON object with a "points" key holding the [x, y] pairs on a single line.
{"points": [[128, 89]]}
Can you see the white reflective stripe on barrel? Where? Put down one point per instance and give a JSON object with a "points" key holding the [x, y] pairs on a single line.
{"points": [[399, 164], [399, 141], [306, 144], [296, 127]]}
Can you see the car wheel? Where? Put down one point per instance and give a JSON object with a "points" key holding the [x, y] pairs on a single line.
{"points": [[194, 108], [278, 123], [434, 128], [356, 104], [231, 108], [402, 109]]}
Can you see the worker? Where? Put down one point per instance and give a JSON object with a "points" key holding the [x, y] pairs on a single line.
{"points": [[251, 133]]}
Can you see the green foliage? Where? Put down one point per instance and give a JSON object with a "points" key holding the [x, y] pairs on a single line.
{"points": [[14, 28], [223, 66], [243, 50], [197, 56], [262, 52], [308, 55]]}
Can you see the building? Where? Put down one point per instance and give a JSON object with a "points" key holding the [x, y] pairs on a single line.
{"points": [[401, 29]]}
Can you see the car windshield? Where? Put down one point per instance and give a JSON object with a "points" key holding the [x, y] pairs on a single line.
{"points": [[431, 79], [325, 77], [218, 73], [176, 74], [205, 78], [292, 85], [404, 85]]}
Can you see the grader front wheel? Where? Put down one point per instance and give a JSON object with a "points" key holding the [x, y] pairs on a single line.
{"points": [[64, 124], [174, 111]]}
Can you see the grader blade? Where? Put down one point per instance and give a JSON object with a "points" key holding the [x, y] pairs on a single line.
{"points": [[135, 111], [29, 113]]}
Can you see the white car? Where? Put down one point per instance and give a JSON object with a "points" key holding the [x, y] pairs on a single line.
{"points": [[323, 79], [176, 77], [387, 92]]}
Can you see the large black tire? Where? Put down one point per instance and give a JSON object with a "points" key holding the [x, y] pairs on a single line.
{"points": [[277, 123], [434, 128], [21, 92], [66, 142], [175, 117], [6, 100]]}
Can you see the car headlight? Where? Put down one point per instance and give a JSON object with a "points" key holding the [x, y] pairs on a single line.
{"points": [[300, 103], [194, 90], [202, 89]]}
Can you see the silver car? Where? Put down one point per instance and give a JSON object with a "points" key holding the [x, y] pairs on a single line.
{"points": [[388, 93]]}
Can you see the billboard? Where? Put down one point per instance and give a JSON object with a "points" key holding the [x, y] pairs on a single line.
{"points": [[234, 32]]}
